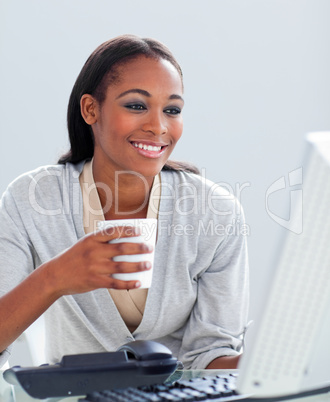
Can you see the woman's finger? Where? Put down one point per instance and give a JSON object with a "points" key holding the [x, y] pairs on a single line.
{"points": [[119, 284], [108, 282], [114, 249], [113, 267], [106, 235]]}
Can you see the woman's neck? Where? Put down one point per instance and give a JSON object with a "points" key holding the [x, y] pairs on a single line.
{"points": [[122, 195]]}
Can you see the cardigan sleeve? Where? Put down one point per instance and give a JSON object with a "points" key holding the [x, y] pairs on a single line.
{"points": [[16, 256], [218, 320]]}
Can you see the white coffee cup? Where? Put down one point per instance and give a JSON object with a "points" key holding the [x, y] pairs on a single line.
{"points": [[148, 228]]}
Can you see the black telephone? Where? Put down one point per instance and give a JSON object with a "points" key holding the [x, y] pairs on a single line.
{"points": [[133, 364]]}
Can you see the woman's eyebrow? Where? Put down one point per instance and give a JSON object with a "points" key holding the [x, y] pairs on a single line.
{"points": [[134, 91], [145, 93], [174, 96]]}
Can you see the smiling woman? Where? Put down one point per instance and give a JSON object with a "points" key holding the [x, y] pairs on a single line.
{"points": [[124, 120], [139, 123]]}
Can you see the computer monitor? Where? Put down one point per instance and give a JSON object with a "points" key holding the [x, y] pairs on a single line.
{"points": [[288, 347]]}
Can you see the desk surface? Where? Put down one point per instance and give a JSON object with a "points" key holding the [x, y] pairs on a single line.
{"points": [[10, 393]]}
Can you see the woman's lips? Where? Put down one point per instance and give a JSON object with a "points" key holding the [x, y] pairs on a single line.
{"points": [[148, 149]]}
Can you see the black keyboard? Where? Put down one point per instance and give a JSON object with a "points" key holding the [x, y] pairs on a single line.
{"points": [[215, 388], [220, 388]]}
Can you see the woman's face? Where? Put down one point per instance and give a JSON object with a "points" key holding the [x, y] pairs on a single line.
{"points": [[140, 121]]}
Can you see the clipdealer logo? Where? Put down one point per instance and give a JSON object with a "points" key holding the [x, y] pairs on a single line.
{"points": [[294, 184], [72, 197]]}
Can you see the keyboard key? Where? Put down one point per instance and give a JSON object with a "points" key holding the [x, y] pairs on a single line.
{"points": [[148, 396], [184, 396], [169, 397]]}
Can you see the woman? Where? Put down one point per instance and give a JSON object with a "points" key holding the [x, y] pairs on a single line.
{"points": [[124, 120]]}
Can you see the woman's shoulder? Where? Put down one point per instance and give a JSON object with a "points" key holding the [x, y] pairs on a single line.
{"points": [[186, 179], [189, 189], [44, 177]]}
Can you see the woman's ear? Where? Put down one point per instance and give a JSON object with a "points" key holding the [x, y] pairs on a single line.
{"points": [[88, 109]]}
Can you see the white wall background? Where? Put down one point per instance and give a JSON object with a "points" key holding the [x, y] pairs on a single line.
{"points": [[256, 77]]}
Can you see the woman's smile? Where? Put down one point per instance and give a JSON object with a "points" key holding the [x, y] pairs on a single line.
{"points": [[149, 149]]}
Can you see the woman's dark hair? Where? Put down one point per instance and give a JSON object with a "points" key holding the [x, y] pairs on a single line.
{"points": [[96, 75]]}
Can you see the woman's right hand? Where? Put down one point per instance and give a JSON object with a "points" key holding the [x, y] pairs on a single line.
{"points": [[88, 265]]}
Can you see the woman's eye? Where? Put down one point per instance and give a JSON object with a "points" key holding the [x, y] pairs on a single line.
{"points": [[173, 110], [135, 106]]}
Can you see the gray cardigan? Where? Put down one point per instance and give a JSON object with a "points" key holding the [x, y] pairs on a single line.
{"points": [[198, 302]]}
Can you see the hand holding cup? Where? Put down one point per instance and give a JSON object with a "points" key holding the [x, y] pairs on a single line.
{"points": [[148, 229]]}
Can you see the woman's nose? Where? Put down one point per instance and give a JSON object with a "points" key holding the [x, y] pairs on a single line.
{"points": [[155, 123]]}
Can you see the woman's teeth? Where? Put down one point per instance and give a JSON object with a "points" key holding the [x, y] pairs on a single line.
{"points": [[146, 147]]}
